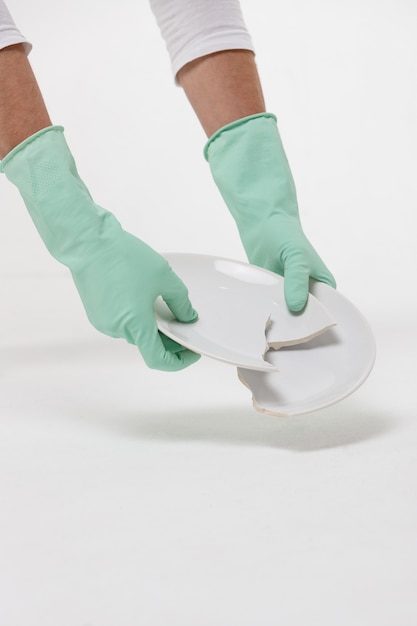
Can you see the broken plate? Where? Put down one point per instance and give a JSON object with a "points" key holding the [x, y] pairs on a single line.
{"points": [[242, 312], [320, 373]]}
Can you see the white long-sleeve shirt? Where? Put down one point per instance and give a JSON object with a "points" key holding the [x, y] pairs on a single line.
{"points": [[9, 33], [190, 28], [195, 28]]}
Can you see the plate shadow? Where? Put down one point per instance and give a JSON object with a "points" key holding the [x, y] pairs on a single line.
{"points": [[341, 425]]}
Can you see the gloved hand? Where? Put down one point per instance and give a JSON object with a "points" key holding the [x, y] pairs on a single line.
{"points": [[117, 275], [250, 168]]}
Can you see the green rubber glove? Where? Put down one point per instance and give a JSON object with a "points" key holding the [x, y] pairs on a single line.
{"points": [[250, 168], [117, 275]]}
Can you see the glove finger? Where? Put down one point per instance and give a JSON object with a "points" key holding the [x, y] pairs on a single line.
{"points": [[170, 344], [155, 354], [175, 294], [324, 276], [187, 358], [296, 284]]}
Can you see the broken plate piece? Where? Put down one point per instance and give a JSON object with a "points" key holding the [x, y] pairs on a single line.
{"points": [[321, 372], [241, 311]]}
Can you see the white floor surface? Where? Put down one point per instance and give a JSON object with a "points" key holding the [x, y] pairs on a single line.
{"points": [[130, 497]]}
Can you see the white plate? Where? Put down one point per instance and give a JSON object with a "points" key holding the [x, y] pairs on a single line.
{"points": [[319, 373], [237, 304]]}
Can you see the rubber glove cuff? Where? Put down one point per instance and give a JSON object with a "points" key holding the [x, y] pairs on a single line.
{"points": [[25, 143]]}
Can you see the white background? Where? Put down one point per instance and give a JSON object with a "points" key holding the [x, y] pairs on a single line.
{"points": [[136, 497]]}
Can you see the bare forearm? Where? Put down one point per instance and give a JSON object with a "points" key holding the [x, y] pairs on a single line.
{"points": [[222, 87], [22, 109]]}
